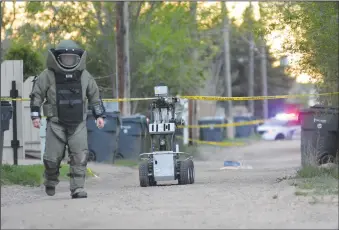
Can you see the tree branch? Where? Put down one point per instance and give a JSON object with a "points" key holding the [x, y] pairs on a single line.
{"points": [[135, 20], [97, 11]]}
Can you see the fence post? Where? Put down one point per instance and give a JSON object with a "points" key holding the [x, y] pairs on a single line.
{"points": [[15, 142]]}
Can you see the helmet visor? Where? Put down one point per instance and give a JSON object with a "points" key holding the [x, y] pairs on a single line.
{"points": [[69, 60]]}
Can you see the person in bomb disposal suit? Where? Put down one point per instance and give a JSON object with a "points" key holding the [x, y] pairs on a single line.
{"points": [[62, 90]]}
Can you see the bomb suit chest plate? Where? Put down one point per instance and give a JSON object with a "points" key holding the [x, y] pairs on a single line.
{"points": [[69, 97]]}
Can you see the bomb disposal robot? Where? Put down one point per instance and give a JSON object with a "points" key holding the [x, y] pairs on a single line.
{"points": [[165, 162]]}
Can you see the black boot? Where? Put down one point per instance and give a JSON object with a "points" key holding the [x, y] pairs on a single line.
{"points": [[51, 175], [50, 190], [79, 193]]}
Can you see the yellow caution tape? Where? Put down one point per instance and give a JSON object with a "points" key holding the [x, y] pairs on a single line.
{"points": [[14, 99], [90, 172], [223, 144], [128, 99], [235, 124], [215, 98], [105, 100], [203, 98]]}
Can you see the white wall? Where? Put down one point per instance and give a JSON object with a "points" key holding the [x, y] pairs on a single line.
{"points": [[13, 71], [31, 135]]}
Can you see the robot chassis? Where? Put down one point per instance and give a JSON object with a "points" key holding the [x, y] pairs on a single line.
{"points": [[165, 162]]}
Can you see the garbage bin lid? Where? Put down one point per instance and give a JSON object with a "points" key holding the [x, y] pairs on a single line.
{"points": [[212, 118], [5, 103], [134, 118], [324, 107], [320, 107]]}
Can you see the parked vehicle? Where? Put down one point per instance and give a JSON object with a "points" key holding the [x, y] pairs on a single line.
{"points": [[282, 126]]}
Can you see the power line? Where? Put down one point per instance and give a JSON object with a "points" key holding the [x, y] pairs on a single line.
{"points": [[103, 77]]}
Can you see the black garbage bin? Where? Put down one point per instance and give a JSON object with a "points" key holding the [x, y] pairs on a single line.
{"points": [[134, 138], [217, 134], [103, 143], [319, 135], [6, 116]]}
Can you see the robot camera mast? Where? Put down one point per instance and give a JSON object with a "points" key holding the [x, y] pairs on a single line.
{"points": [[163, 119]]}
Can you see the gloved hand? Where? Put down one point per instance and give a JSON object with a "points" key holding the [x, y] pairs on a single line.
{"points": [[100, 122], [36, 123]]}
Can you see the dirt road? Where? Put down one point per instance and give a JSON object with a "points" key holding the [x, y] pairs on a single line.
{"points": [[244, 198]]}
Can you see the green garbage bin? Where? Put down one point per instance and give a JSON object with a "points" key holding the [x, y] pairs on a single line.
{"points": [[134, 138], [212, 134], [103, 143], [6, 116]]}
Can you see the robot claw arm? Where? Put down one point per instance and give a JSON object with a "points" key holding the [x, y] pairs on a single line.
{"points": [[166, 108]]}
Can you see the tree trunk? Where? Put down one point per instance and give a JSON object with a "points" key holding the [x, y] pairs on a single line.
{"points": [[120, 52]]}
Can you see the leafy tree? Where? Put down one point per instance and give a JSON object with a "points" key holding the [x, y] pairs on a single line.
{"points": [[9, 11], [161, 51], [278, 81], [32, 60], [314, 30], [167, 44]]}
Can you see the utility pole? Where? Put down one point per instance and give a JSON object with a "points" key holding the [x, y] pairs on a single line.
{"points": [[1, 133], [127, 91], [120, 52], [264, 77], [251, 66], [227, 70]]}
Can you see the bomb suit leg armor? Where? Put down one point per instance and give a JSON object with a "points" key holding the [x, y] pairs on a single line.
{"points": [[57, 137], [78, 153], [62, 90], [54, 153]]}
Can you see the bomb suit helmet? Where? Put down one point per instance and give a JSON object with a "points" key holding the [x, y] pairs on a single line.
{"points": [[67, 57]]}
